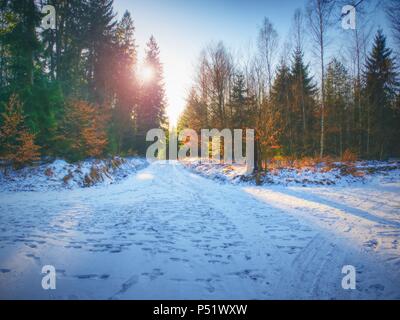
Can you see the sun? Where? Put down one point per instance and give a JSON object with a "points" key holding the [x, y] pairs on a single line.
{"points": [[146, 73]]}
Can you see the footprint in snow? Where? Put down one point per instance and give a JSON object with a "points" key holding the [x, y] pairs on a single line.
{"points": [[31, 255], [5, 270], [93, 276], [128, 284], [154, 274], [377, 287], [372, 243]]}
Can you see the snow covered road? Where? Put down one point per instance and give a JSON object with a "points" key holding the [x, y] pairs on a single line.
{"points": [[166, 233]]}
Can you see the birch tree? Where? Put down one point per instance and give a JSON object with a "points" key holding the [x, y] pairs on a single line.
{"points": [[268, 45], [319, 15]]}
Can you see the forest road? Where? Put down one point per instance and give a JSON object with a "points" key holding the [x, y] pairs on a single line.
{"points": [[166, 233]]}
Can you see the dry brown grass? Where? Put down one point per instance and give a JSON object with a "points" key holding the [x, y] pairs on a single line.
{"points": [[116, 163], [346, 164], [293, 163], [68, 177], [48, 172], [349, 156]]}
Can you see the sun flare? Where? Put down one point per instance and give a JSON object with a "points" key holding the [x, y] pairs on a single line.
{"points": [[146, 73]]}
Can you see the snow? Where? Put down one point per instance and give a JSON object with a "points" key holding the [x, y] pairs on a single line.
{"points": [[323, 174], [167, 233], [60, 174]]}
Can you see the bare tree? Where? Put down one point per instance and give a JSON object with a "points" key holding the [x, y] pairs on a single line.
{"points": [[202, 86], [357, 55], [268, 45], [319, 14], [298, 30], [215, 76], [393, 12]]}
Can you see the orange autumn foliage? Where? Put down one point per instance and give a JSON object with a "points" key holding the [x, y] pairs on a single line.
{"points": [[84, 129], [28, 151], [18, 146]]}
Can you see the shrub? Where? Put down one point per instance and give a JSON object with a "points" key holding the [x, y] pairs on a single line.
{"points": [[18, 146], [83, 133], [349, 156]]}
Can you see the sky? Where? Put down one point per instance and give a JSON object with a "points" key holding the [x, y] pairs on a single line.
{"points": [[183, 28]]}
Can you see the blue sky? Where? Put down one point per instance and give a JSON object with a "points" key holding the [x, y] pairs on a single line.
{"points": [[184, 27]]}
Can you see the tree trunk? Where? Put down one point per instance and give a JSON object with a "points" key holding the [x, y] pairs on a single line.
{"points": [[322, 141]]}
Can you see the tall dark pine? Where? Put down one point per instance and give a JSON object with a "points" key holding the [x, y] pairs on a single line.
{"points": [[100, 33], [151, 109], [339, 115], [24, 69], [281, 103], [22, 42], [125, 83], [64, 45], [4, 52], [380, 93], [238, 102], [303, 103]]}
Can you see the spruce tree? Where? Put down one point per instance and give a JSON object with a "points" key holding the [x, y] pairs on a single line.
{"points": [[150, 113], [125, 84], [281, 104], [339, 119], [303, 103], [22, 42], [238, 102], [101, 28], [26, 72], [380, 93]]}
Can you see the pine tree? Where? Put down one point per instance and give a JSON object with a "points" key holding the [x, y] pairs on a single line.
{"points": [[90, 56], [238, 103], [65, 46], [339, 129], [25, 70], [22, 42], [281, 104], [6, 24], [101, 28], [125, 84], [150, 113], [303, 103], [380, 93]]}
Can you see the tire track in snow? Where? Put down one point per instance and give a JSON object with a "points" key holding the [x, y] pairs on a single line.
{"points": [[166, 233]]}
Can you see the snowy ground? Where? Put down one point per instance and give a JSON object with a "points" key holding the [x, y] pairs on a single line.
{"points": [[61, 175], [335, 173], [166, 233]]}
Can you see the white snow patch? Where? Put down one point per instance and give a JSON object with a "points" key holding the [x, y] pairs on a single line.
{"points": [[363, 172], [60, 174]]}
